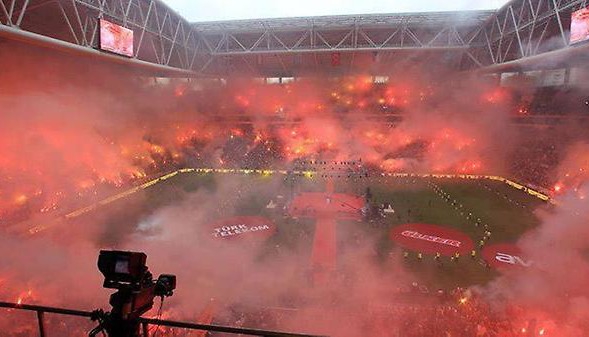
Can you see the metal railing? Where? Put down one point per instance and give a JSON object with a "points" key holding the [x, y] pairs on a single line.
{"points": [[146, 322]]}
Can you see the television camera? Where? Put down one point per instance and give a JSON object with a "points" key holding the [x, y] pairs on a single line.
{"points": [[136, 291]]}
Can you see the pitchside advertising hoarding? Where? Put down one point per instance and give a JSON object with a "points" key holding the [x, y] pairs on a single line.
{"points": [[580, 26], [116, 39]]}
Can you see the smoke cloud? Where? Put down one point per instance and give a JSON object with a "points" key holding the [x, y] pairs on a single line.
{"points": [[72, 133]]}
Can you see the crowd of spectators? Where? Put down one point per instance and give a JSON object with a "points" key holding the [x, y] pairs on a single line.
{"points": [[555, 101], [414, 312], [534, 162]]}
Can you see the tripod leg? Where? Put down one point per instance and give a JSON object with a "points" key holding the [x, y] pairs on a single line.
{"points": [[145, 328], [41, 323]]}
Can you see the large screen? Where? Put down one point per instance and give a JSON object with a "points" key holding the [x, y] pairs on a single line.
{"points": [[115, 38], [580, 26]]}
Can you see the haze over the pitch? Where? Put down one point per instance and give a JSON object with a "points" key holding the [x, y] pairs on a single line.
{"points": [[201, 10]]}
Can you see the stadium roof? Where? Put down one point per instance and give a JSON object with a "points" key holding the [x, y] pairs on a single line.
{"points": [[424, 19], [223, 10], [338, 45], [165, 42]]}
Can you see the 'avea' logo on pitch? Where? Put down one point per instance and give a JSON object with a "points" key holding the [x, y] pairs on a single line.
{"points": [[512, 259]]}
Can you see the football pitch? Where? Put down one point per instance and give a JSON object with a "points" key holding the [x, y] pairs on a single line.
{"points": [[484, 212]]}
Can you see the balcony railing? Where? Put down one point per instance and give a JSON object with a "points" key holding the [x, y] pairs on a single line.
{"points": [[145, 322]]}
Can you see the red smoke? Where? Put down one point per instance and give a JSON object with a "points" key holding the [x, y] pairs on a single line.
{"points": [[90, 133], [573, 170], [71, 134]]}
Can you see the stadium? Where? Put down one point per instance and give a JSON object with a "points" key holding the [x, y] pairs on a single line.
{"points": [[399, 174]]}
